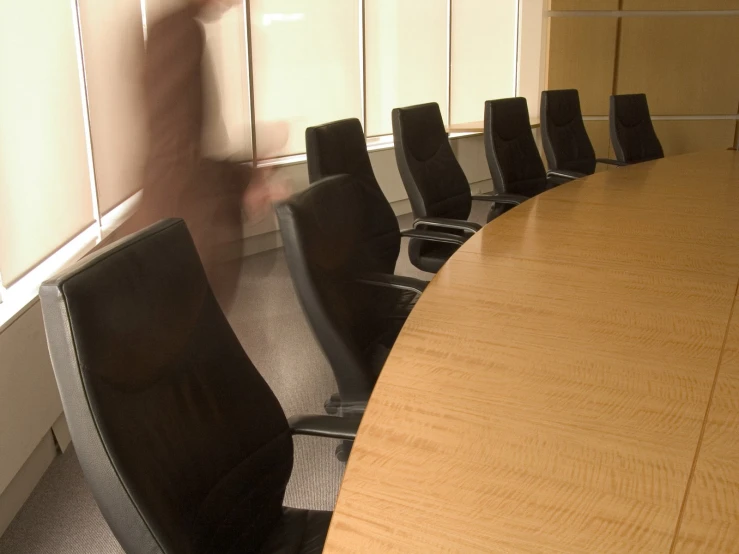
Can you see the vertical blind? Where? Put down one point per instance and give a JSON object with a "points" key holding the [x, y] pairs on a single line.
{"points": [[406, 57], [306, 65], [483, 55], [113, 48], [227, 130], [44, 180], [312, 61]]}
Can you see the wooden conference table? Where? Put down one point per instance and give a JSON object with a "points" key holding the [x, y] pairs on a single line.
{"points": [[569, 381]]}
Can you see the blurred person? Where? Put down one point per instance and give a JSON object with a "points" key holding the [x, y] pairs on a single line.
{"points": [[178, 180]]}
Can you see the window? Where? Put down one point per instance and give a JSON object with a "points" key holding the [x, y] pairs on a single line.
{"points": [[483, 55], [306, 67], [406, 58], [72, 125], [113, 47], [227, 125], [44, 176]]}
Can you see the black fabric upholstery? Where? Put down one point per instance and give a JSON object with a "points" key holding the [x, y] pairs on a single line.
{"points": [[565, 140], [434, 180], [431, 174], [331, 242], [632, 133], [510, 148], [338, 148], [298, 532], [184, 445]]}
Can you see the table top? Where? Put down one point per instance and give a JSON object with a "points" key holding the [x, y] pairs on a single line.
{"points": [[568, 382]]}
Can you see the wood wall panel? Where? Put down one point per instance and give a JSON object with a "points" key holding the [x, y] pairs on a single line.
{"points": [[681, 137], [685, 65], [598, 133], [561, 5], [680, 4], [582, 53]]}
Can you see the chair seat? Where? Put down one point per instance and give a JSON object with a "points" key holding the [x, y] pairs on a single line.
{"points": [[430, 256], [298, 532]]}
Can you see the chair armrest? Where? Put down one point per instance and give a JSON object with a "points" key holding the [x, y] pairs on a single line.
{"points": [[565, 174], [327, 426], [434, 236], [514, 199], [446, 223], [610, 162], [400, 282]]}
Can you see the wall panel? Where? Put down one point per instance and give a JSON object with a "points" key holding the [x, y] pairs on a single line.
{"points": [[685, 65], [29, 399], [681, 137], [599, 136], [561, 5], [582, 54], [680, 4]]}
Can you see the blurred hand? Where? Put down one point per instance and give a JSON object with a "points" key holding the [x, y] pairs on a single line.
{"points": [[265, 189]]}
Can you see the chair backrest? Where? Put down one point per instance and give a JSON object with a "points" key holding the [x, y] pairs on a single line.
{"points": [[632, 132], [338, 148], [514, 160], [330, 240], [431, 174], [183, 444], [566, 142]]}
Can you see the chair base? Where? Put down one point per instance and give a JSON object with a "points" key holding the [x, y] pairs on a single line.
{"points": [[332, 405], [335, 407], [343, 449]]}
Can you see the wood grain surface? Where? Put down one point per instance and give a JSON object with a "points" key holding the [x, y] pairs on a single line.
{"points": [[582, 55], [685, 65], [550, 392]]}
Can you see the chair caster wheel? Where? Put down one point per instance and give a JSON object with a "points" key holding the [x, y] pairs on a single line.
{"points": [[343, 450]]}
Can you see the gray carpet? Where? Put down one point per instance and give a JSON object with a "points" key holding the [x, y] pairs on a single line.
{"points": [[61, 517]]}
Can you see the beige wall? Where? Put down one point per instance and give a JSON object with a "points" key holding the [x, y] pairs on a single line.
{"points": [[684, 60], [29, 403]]}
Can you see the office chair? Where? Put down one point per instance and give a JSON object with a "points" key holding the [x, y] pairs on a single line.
{"points": [[342, 271], [185, 447], [566, 142], [632, 132], [437, 187], [513, 158], [338, 148]]}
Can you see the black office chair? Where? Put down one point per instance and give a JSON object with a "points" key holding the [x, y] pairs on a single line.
{"points": [[182, 442], [566, 142], [342, 272], [513, 158], [632, 132], [339, 148], [437, 187]]}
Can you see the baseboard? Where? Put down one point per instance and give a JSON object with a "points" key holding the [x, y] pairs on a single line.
{"points": [[61, 433], [22, 485]]}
